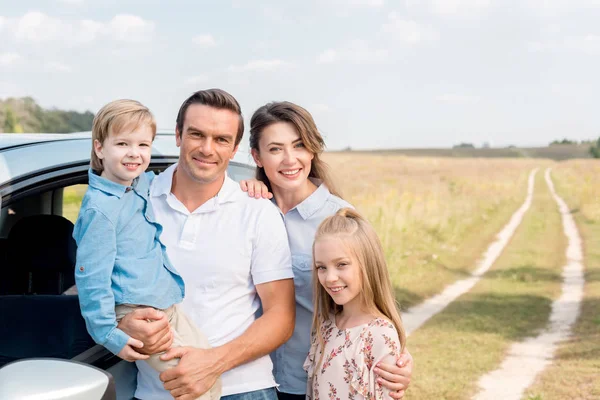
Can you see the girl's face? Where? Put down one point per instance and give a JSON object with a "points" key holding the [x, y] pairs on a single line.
{"points": [[283, 156], [338, 271]]}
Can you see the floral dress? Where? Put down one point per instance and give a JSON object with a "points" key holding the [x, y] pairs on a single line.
{"points": [[346, 370]]}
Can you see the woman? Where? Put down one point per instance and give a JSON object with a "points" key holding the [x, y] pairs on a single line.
{"points": [[287, 147]]}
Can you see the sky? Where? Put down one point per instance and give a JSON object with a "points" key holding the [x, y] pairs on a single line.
{"points": [[374, 73]]}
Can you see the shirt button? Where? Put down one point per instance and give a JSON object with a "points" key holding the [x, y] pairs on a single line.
{"points": [[81, 269], [128, 190]]}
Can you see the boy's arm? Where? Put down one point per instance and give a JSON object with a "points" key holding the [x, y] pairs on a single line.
{"points": [[96, 253]]}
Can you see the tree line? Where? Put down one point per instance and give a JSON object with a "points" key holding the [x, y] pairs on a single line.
{"points": [[24, 115]]}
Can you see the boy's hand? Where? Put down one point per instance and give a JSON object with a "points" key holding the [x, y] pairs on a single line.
{"points": [[128, 353], [256, 189]]}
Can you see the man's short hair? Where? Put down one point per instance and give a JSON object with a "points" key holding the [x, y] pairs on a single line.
{"points": [[116, 116], [216, 98]]}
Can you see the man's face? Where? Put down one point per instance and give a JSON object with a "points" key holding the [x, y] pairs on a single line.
{"points": [[207, 142]]}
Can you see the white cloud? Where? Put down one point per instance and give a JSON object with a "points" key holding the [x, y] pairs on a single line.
{"points": [[356, 51], [408, 31], [327, 57], [7, 59], [205, 41], [196, 80], [72, 2], [259, 65], [37, 27], [58, 67], [456, 98], [130, 28]]}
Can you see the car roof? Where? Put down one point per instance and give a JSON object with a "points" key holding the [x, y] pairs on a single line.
{"points": [[22, 154]]}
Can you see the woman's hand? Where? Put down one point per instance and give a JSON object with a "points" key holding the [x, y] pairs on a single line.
{"points": [[256, 189], [396, 377], [151, 327]]}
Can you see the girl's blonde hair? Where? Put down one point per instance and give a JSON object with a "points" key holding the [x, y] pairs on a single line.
{"points": [[376, 295], [113, 118]]}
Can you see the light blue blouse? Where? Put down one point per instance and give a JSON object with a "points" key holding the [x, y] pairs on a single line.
{"points": [[301, 223]]}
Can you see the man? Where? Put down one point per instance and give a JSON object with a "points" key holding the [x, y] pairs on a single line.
{"points": [[233, 254]]}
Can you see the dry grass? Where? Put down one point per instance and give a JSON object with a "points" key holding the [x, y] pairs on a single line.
{"points": [[435, 216]]}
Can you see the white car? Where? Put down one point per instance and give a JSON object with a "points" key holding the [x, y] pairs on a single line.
{"points": [[45, 350]]}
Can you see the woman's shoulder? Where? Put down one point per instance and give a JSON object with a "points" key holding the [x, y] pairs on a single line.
{"points": [[338, 202]]}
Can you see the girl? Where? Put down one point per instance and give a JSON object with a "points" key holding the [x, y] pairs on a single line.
{"points": [[356, 324], [287, 148]]}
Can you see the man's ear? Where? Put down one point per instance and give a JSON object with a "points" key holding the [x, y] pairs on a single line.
{"points": [[177, 137], [235, 149], [256, 156], [98, 149]]}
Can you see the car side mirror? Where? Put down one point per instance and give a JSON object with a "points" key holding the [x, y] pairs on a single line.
{"points": [[49, 378]]}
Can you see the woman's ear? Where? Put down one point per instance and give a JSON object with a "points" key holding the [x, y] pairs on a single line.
{"points": [[256, 156]]}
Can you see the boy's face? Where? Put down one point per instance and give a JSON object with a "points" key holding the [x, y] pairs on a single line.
{"points": [[125, 155]]}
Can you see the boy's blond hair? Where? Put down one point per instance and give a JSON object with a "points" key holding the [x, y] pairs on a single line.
{"points": [[116, 116]]}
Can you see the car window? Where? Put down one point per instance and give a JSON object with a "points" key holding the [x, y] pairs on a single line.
{"points": [[72, 196]]}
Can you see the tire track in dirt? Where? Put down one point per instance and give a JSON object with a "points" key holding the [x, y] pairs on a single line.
{"points": [[416, 316], [526, 359]]}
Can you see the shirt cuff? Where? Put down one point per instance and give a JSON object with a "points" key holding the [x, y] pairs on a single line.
{"points": [[117, 339]]}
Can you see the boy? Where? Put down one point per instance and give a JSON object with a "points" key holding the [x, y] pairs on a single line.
{"points": [[121, 263]]}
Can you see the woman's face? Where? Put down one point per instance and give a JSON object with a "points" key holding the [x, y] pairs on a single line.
{"points": [[283, 156]]}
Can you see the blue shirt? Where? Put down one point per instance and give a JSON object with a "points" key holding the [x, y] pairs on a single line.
{"points": [[301, 223], [120, 259]]}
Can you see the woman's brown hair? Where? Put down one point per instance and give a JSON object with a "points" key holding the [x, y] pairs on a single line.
{"points": [[303, 122]]}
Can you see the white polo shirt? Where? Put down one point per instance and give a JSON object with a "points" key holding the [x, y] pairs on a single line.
{"points": [[222, 250]]}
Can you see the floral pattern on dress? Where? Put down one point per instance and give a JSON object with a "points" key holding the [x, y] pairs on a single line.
{"points": [[350, 357]]}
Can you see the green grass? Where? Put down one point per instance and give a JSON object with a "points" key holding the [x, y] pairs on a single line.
{"points": [[575, 371], [512, 302]]}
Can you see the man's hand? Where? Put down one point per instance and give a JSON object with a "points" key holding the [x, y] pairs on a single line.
{"points": [[151, 327], [256, 189], [128, 352], [396, 377], [196, 373]]}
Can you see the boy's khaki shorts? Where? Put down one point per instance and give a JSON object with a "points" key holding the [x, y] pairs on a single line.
{"points": [[185, 334]]}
